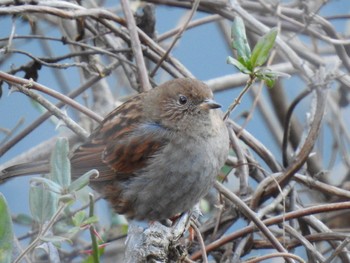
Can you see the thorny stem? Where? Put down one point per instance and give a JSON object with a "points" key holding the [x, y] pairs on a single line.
{"points": [[95, 252], [237, 101]]}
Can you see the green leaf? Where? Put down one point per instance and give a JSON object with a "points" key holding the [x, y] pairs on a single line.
{"points": [[270, 82], [90, 220], [270, 76], [271, 73], [56, 239], [242, 68], [6, 232], [68, 199], [49, 184], [23, 219], [82, 181], [262, 48], [42, 202], [239, 39], [60, 164], [72, 231], [79, 218]]}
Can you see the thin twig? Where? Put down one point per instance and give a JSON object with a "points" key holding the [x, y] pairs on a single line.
{"points": [[55, 111], [192, 24], [252, 216], [274, 220], [46, 115], [237, 101], [275, 255], [136, 46], [338, 250], [42, 233], [177, 37], [201, 242], [30, 84], [12, 131]]}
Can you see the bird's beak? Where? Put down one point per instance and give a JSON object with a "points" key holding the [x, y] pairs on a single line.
{"points": [[209, 104]]}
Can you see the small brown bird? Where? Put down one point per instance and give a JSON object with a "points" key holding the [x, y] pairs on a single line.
{"points": [[157, 154]]}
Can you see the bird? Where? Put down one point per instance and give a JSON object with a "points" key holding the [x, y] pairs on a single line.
{"points": [[157, 154]]}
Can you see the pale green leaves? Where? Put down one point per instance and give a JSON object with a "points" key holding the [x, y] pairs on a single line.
{"points": [[80, 220], [269, 76], [50, 196], [46, 193], [239, 41], [42, 202], [60, 164], [240, 66], [82, 181], [249, 62], [6, 232], [262, 48]]}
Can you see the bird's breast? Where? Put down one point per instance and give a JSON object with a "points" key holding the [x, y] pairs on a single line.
{"points": [[177, 176]]}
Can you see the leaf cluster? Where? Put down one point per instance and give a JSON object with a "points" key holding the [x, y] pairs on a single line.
{"points": [[250, 62]]}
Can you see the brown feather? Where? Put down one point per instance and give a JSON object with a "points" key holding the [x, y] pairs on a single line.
{"points": [[114, 148]]}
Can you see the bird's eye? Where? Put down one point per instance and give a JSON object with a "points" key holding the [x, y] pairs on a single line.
{"points": [[182, 99]]}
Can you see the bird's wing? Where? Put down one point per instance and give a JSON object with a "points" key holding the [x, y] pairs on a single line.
{"points": [[121, 145], [132, 152]]}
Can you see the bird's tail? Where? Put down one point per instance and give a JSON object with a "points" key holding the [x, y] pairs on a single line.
{"points": [[39, 167]]}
